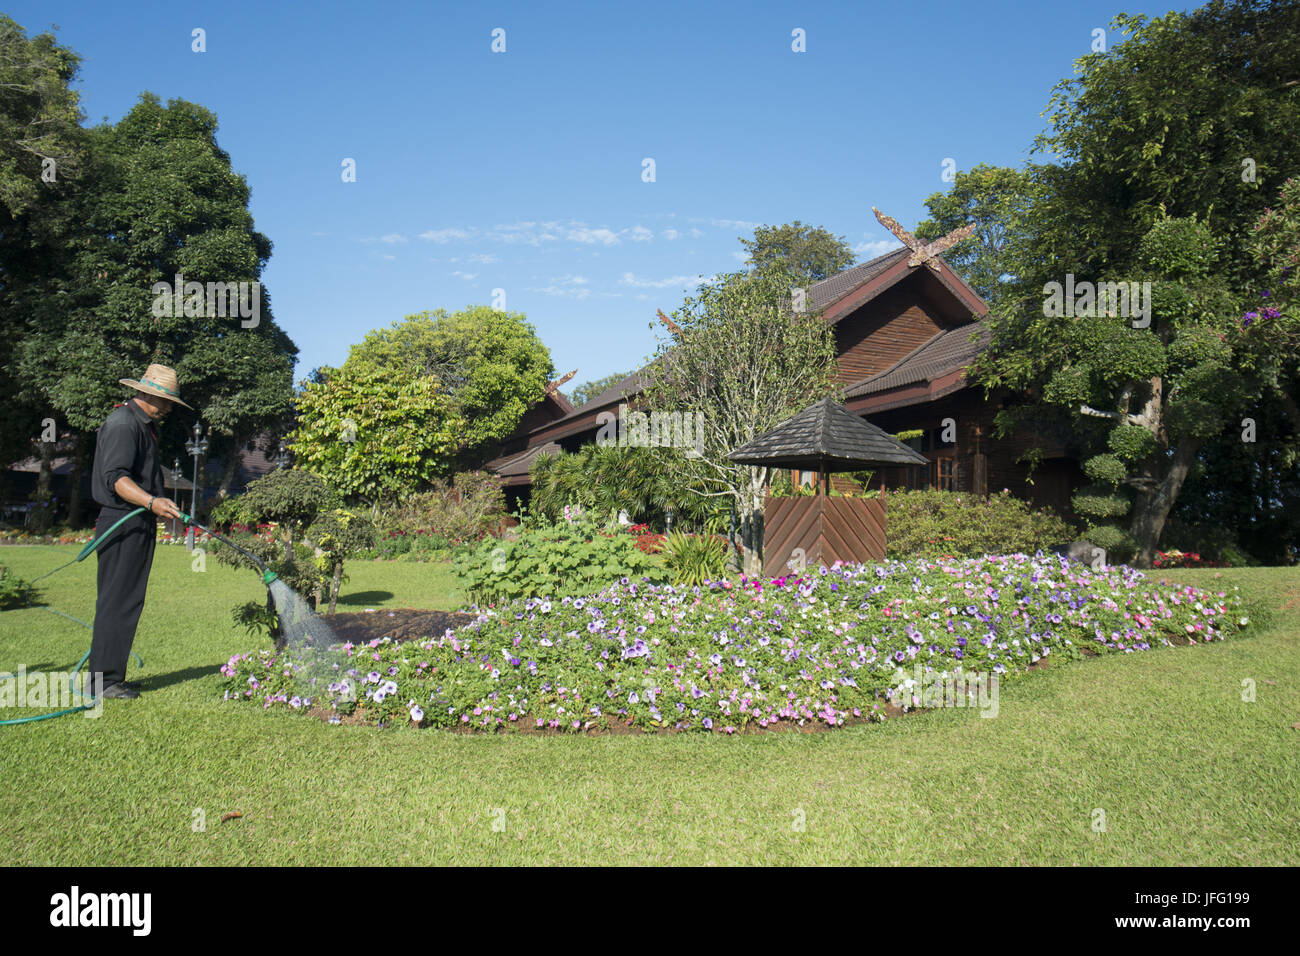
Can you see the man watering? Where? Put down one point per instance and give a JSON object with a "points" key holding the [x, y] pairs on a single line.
{"points": [[127, 475]]}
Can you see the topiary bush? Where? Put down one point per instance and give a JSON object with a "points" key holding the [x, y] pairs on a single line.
{"points": [[289, 497], [935, 523], [552, 559], [1119, 545]]}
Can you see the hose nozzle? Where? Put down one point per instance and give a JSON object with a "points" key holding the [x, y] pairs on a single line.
{"points": [[268, 576]]}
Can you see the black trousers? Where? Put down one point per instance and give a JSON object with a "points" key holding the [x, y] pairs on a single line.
{"points": [[124, 563]]}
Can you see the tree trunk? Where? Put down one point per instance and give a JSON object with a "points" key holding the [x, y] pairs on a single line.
{"points": [[750, 508], [1151, 508], [43, 513], [338, 582], [74, 479], [231, 467]]}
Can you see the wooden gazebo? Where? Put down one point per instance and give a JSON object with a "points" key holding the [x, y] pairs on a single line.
{"points": [[825, 437]]}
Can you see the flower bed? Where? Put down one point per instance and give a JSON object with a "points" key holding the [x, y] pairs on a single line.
{"points": [[828, 648], [1184, 559], [16, 537]]}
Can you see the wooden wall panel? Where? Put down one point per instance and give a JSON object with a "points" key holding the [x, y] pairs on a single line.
{"points": [[882, 332], [826, 529]]}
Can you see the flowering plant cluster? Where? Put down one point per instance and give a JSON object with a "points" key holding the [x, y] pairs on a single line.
{"points": [[23, 536], [646, 540], [268, 679], [826, 647], [1184, 559], [165, 536]]}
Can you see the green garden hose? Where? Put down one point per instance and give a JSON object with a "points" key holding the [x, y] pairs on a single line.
{"points": [[72, 691], [267, 577]]}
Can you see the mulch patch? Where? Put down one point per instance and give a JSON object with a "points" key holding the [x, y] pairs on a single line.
{"points": [[400, 624]]}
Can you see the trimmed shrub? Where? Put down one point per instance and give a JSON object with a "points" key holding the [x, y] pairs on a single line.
{"points": [[935, 523], [1118, 544]]}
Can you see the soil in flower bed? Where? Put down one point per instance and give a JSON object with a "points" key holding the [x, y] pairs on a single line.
{"points": [[400, 624]]}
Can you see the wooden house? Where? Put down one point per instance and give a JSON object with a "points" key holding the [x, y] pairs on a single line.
{"points": [[905, 336]]}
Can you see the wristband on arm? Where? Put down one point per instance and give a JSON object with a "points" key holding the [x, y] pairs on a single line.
{"points": [[152, 499]]}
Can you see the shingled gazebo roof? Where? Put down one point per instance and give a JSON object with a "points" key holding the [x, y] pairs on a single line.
{"points": [[826, 437]]}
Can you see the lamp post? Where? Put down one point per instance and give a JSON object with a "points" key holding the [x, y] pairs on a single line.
{"points": [[176, 487], [197, 447], [282, 458]]}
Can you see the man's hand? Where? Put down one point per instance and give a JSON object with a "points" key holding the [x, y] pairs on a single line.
{"points": [[165, 508], [129, 491]]}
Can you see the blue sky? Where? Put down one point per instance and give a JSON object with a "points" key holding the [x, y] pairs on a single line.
{"points": [[522, 170]]}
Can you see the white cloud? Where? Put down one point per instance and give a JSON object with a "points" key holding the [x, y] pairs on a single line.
{"points": [[739, 256], [640, 234], [467, 276], [734, 224], [444, 235], [696, 233], [670, 234], [392, 238], [870, 249], [582, 233], [483, 258], [529, 233], [562, 291], [671, 282]]}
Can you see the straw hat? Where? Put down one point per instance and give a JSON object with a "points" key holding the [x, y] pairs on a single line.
{"points": [[158, 380]]}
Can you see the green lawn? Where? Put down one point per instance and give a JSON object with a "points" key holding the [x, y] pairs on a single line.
{"points": [[1186, 772]]}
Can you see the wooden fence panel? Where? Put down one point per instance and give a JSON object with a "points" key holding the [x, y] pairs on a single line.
{"points": [[824, 529]]}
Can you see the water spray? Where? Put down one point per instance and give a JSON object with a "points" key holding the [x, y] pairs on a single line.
{"points": [[298, 621]]}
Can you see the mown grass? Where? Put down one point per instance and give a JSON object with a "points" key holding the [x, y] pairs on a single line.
{"points": [[1184, 769]]}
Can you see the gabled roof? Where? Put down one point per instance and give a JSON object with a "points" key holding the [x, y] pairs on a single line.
{"points": [[828, 437], [946, 352], [562, 400], [628, 386], [832, 288]]}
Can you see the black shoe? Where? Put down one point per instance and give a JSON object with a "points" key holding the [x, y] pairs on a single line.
{"points": [[133, 684], [120, 691]]}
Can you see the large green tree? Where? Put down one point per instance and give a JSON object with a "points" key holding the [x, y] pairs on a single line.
{"points": [[1170, 146], [375, 436], [158, 198], [807, 253], [742, 363], [490, 363], [42, 150], [996, 199], [40, 117]]}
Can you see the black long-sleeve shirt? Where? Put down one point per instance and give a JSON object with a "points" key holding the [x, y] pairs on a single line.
{"points": [[127, 446]]}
